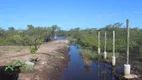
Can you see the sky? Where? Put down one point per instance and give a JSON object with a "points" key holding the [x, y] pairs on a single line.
{"points": [[69, 14]]}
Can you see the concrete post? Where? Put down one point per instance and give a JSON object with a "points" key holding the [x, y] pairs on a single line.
{"points": [[105, 53], [113, 57], [99, 49], [127, 66]]}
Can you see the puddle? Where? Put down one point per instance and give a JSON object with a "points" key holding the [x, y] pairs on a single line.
{"points": [[97, 71]]}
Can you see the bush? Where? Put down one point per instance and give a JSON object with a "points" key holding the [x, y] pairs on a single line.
{"points": [[33, 49], [72, 40], [89, 54], [110, 54]]}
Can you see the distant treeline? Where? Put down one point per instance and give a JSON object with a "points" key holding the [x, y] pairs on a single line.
{"points": [[87, 38], [31, 36]]}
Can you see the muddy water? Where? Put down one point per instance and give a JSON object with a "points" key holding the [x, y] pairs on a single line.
{"points": [[97, 71]]}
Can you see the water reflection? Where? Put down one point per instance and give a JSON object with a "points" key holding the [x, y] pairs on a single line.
{"points": [[87, 62], [96, 71], [87, 68], [112, 73], [105, 72], [98, 66]]}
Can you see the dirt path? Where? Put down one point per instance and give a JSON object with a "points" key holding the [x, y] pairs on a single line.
{"points": [[53, 58]]}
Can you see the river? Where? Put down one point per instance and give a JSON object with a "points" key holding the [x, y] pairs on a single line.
{"points": [[97, 71]]}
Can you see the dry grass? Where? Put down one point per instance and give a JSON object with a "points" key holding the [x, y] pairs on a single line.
{"points": [[12, 48], [9, 49]]}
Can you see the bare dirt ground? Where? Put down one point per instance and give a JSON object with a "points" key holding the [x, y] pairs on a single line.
{"points": [[52, 59]]}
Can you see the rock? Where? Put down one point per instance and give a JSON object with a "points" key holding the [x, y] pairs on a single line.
{"points": [[28, 79], [29, 63], [43, 62], [40, 70], [62, 57], [131, 76]]}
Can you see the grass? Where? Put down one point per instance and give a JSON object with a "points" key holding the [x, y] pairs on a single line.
{"points": [[92, 55], [60, 54], [66, 46], [7, 49], [110, 54], [89, 54]]}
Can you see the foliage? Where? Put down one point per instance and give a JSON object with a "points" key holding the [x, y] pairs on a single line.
{"points": [[110, 54], [89, 54], [71, 39], [87, 38], [33, 49], [32, 36]]}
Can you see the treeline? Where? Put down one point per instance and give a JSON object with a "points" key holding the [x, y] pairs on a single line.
{"points": [[31, 36], [88, 38]]}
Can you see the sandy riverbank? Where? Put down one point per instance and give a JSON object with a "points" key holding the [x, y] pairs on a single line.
{"points": [[52, 59]]}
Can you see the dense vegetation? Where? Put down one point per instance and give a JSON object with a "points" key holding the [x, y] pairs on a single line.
{"points": [[87, 38], [32, 36]]}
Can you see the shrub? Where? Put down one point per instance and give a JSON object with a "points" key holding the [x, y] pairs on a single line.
{"points": [[110, 54], [89, 54], [33, 49]]}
